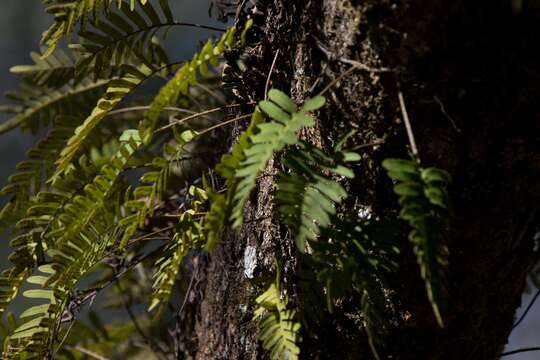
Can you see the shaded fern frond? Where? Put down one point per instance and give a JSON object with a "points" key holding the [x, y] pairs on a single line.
{"points": [[306, 195], [54, 71], [153, 186], [69, 14], [116, 91], [122, 38], [271, 137], [187, 76], [424, 205], [38, 106], [278, 329], [219, 212], [10, 282], [188, 235]]}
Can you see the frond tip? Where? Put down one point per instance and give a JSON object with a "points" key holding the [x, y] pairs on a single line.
{"points": [[424, 205], [278, 330]]}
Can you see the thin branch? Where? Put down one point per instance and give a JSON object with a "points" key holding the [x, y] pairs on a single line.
{"points": [[443, 111], [221, 124], [338, 79], [270, 75], [371, 144], [522, 317], [144, 108], [196, 115], [407, 122], [520, 351], [88, 352]]}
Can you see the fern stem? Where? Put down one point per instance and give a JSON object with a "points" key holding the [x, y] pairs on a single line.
{"points": [[224, 123], [196, 115], [408, 126]]}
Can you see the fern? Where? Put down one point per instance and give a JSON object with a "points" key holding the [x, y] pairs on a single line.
{"points": [[118, 39], [68, 14], [278, 329], [153, 186], [219, 212], [54, 71], [424, 205], [307, 197], [186, 76], [270, 138], [116, 91], [188, 236], [38, 105]]}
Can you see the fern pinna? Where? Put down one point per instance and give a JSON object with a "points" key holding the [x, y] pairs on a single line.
{"points": [[102, 200]]}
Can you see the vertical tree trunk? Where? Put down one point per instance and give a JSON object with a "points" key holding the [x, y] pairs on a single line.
{"points": [[470, 80]]}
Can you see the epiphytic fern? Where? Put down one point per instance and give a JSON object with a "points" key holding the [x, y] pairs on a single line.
{"points": [[270, 138], [122, 38], [219, 212], [188, 236], [38, 105], [187, 75], [278, 328], [68, 15], [116, 91], [424, 205], [307, 196]]}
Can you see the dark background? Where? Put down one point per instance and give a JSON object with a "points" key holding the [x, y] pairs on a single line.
{"points": [[21, 25]]}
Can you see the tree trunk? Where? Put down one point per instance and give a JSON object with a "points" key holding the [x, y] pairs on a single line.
{"points": [[470, 83]]}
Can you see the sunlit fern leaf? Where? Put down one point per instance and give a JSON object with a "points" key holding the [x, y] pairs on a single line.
{"points": [[187, 76], [10, 281], [219, 212], [116, 91], [278, 328], [271, 137], [34, 334], [69, 14], [188, 235], [54, 71], [424, 205], [38, 106], [306, 196]]}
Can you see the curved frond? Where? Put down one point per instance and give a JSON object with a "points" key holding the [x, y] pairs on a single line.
{"points": [[424, 205]]}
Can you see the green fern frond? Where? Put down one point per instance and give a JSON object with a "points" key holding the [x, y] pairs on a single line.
{"points": [[423, 198], [219, 212], [54, 71], [122, 38], [307, 196], [38, 106], [187, 75], [270, 138], [33, 336], [116, 91], [10, 282], [69, 14], [189, 235], [278, 329], [153, 186]]}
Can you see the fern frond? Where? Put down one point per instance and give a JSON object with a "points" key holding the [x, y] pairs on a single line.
{"points": [[187, 75], [122, 38], [40, 105], [307, 196], [424, 205], [278, 329], [153, 186], [10, 282], [54, 71], [116, 91], [219, 212], [34, 335], [188, 235], [69, 14], [271, 137]]}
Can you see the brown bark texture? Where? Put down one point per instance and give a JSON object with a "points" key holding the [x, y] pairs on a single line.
{"points": [[470, 77]]}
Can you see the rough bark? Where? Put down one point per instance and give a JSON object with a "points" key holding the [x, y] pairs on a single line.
{"points": [[470, 81]]}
